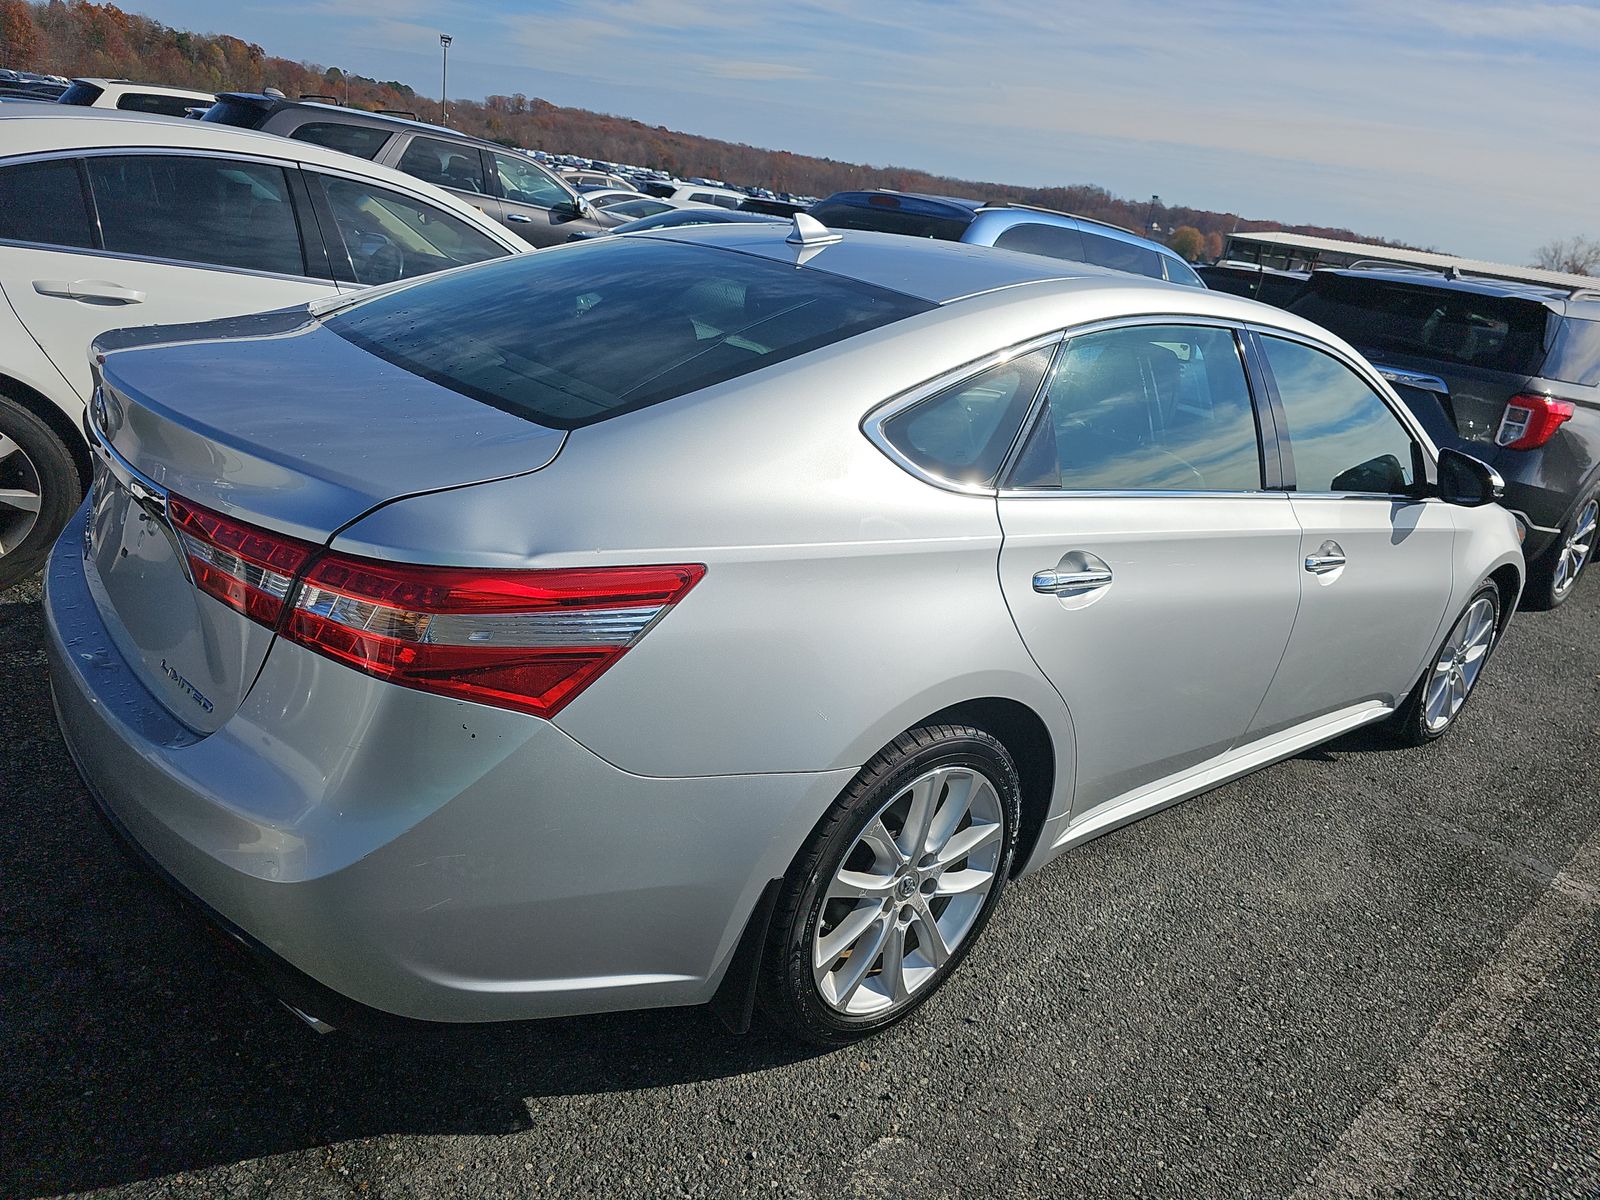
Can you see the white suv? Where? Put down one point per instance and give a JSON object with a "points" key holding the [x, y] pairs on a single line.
{"points": [[110, 219], [128, 96]]}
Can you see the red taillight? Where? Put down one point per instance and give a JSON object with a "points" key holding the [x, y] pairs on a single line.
{"points": [[529, 640], [1531, 420], [248, 569]]}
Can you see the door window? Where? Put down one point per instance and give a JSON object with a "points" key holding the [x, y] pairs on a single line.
{"points": [[962, 433], [447, 164], [525, 182], [43, 202], [1148, 408], [1344, 437], [220, 211], [361, 140], [1121, 256], [167, 106], [389, 236]]}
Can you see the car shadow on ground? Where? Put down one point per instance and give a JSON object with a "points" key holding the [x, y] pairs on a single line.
{"points": [[134, 1047]]}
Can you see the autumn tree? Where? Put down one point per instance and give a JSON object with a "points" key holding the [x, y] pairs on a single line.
{"points": [[1574, 256], [19, 36], [1214, 245], [1187, 241]]}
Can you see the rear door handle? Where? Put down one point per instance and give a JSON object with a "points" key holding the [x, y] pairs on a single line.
{"points": [[1328, 558], [519, 218], [1055, 582], [89, 290]]}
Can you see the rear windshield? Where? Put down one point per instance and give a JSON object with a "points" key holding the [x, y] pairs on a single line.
{"points": [[890, 217], [573, 336], [1497, 333], [242, 113], [80, 93]]}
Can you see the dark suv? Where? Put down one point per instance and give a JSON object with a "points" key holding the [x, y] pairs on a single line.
{"points": [[1512, 369], [505, 184]]}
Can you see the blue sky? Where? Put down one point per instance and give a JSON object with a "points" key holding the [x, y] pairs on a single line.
{"points": [[1463, 125]]}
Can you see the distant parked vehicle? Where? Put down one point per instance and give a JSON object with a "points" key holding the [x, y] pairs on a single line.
{"points": [[1254, 282], [1514, 368], [681, 217], [30, 85], [1008, 226], [696, 193], [115, 218], [771, 206], [581, 179], [510, 186], [128, 96]]}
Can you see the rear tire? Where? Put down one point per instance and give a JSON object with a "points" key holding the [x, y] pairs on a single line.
{"points": [[39, 489], [1554, 575], [895, 886], [1451, 674]]}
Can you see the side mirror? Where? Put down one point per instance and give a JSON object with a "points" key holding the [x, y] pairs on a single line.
{"points": [[1466, 481], [578, 208]]}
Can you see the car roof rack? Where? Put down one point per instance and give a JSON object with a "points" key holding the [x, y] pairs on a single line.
{"points": [[1056, 212], [319, 96], [398, 112]]}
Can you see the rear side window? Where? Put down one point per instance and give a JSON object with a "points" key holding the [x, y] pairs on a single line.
{"points": [[43, 202], [1343, 436], [389, 236], [443, 163], [220, 211], [1121, 256], [1179, 271], [962, 433], [82, 93], [1497, 333], [244, 114], [1053, 241], [166, 106], [1150, 408], [1575, 356], [360, 140], [570, 336]]}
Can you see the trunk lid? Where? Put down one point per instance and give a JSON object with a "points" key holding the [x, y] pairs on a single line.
{"points": [[275, 422]]}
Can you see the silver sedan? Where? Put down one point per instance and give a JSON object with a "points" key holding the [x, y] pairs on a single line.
{"points": [[727, 615]]}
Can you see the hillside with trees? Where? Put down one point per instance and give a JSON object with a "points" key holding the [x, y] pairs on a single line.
{"points": [[85, 39]]}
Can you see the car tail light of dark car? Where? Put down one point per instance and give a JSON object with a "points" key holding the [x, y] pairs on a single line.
{"points": [[528, 640], [1531, 420]]}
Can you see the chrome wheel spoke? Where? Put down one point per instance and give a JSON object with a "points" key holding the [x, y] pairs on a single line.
{"points": [[862, 959], [973, 837], [860, 885], [959, 792], [8, 447], [891, 980], [20, 499], [925, 794], [963, 883], [881, 842], [842, 938], [930, 938]]}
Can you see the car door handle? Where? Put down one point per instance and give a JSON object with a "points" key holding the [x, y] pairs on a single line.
{"points": [[1328, 558], [89, 290], [1054, 582], [519, 218]]}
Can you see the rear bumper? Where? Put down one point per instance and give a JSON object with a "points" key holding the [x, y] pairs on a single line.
{"points": [[424, 857]]}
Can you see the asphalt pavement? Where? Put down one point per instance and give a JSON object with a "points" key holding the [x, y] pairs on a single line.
{"points": [[1359, 972]]}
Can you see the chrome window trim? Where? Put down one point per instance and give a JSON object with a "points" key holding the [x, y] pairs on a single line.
{"points": [[1133, 322], [872, 424]]}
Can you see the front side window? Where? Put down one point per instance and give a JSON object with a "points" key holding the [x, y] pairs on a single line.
{"points": [[363, 141], [389, 236], [1147, 408], [445, 164], [962, 433], [1121, 256], [525, 182], [578, 334], [1343, 436], [224, 212], [43, 202]]}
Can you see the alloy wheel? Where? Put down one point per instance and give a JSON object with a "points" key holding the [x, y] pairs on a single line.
{"points": [[1575, 551], [908, 891], [21, 495], [1458, 665]]}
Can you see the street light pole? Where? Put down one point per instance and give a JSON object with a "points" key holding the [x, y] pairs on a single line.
{"points": [[444, 75], [1150, 214]]}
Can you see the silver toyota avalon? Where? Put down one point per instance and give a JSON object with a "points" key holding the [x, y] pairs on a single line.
{"points": [[726, 615]]}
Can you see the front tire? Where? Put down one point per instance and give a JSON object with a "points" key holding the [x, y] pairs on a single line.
{"points": [[895, 886], [39, 489], [1452, 673]]}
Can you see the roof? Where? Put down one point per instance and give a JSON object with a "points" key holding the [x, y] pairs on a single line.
{"points": [[1420, 258], [363, 117], [1560, 299], [155, 89]]}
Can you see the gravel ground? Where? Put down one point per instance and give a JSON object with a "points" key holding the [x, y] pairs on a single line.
{"points": [[1360, 972]]}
